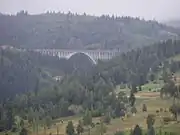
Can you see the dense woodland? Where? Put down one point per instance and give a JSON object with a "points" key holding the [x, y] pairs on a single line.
{"points": [[135, 68], [72, 31], [27, 71], [138, 66]]}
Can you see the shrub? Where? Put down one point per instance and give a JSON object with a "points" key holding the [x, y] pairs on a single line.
{"points": [[14, 129], [133, 110], [144, 108], [93, 125], [97, 123], [161, 109], [157, 111]]}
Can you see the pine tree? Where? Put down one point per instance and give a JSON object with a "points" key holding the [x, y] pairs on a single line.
{"points": [[107, 118], [48, 121], [137, 130], [150, 121], [80, 128], [10, 118], [151, 131], [134, 88], [144, 108], [102, 128], [132, 99], [22, 123], [70, 128], [36, 89], [87, 119]]}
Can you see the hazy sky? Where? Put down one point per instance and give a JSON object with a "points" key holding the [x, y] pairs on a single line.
{"points": [[148, 9]]}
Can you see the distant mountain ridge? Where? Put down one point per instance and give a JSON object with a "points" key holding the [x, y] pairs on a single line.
{"points": [[174, 23], [72, 31]]}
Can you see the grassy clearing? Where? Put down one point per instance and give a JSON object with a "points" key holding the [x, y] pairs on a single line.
{"points": [[140, 118], [117, 124], [153, 104], [152, 86]]}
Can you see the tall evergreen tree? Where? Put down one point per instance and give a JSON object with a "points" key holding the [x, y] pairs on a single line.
{"points": [[137, 130], [80, 128], [70, 128], [87, 118], [132, 99]]}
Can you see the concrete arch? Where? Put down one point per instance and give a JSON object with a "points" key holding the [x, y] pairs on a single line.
{"points": [[74, 53]]}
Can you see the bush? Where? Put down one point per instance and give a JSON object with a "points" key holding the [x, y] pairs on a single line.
{"points": [[97, 123], [161, 109], [93, 125], [14, 129], [157, 111], [154, 82]]}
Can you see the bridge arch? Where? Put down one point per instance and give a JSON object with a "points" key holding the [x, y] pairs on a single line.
{"points": [[74, 53]]}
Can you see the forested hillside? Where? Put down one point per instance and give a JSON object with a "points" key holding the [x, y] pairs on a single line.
{"points": [[21, 71], [72, 31], [37, 99], [139, 66], [20, 74]]}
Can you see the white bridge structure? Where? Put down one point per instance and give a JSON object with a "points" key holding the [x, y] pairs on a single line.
{"points": [[94, 55]]}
